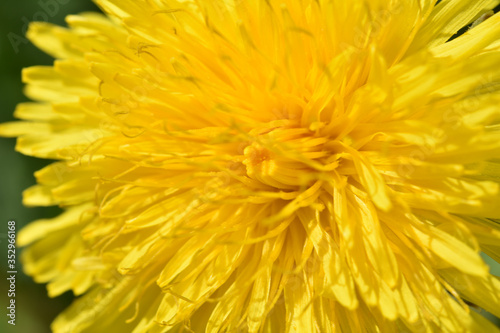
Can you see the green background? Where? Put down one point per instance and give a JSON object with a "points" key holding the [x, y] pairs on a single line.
{"points": [[34, 309]]}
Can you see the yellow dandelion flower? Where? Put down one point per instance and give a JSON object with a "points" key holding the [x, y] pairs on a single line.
{"points": [[267, 166]]}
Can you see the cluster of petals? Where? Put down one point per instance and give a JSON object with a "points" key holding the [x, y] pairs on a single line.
{"points": [[267, 165]]}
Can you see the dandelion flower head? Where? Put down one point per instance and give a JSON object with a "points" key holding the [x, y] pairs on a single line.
{"points": [[267, 166]]}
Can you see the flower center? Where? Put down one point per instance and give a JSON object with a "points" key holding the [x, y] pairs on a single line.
{"points": [[285, 158], [255, 154]]}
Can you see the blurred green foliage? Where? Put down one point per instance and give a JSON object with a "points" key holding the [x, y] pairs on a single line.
{"points": [[34, 309]]}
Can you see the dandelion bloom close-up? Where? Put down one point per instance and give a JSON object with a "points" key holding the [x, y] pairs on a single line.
{"points": [[267, 166]]}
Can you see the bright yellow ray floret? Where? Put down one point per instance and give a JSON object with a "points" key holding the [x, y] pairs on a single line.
{"points": [[267, 166]]}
